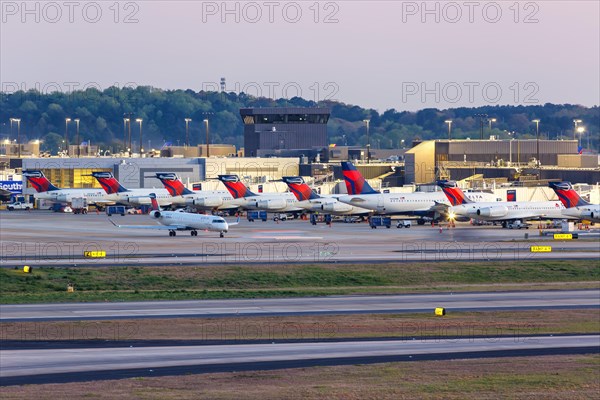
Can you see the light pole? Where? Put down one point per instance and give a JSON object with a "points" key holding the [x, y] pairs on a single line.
{"points": [[18, 121], [78, 142], [367, 121], [580, 131], [537, 136], [139, 120], [67, 120], [481, 117], [187, 131], [490, 122], [125, 120], [207, 144], [576, 122], [449, 122]]}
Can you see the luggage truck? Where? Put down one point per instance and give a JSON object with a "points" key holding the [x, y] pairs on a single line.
{"points": [[79, 205]]}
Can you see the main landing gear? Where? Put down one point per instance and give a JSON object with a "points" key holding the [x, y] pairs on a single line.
{"points": [[194, 233], [172, 233]]}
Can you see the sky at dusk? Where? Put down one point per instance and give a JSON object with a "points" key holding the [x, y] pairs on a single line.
{"points": [[386, 54]]}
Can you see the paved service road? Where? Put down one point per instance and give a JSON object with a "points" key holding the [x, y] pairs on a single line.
{"points": [[304, 306], [17, 363]]}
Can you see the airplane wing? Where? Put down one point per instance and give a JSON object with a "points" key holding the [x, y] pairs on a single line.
{"points": [[159, 227], [440, 207], [237, 221]]}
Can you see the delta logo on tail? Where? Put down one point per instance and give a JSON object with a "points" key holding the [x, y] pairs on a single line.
{"points": [[300, 189], [39, 182], [567, 195], [235, 186], [173, 184], [108, 182], [455, 196], [355, 182], [155, 206]]}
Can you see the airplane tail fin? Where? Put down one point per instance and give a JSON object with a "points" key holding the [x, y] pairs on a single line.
{"points": [[300, 189], [38, 180], [567, 195], [154, 202], [355, 182], [173, 184], [454, 194], [235, 186], [109, 183]]}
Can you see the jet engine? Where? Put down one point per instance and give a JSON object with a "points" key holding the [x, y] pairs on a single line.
{"points": [[493, 212], [271, 204]]}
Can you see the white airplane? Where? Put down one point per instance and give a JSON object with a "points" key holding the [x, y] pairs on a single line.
{"points": [[576, 207], [504, 211], [272, 202], [47, 191], [311, 201], [135, 197], [203, 199], [180, 220], [430, 204]]}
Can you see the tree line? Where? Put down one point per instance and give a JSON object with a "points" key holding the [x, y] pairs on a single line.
{"points": [[163, 114]]}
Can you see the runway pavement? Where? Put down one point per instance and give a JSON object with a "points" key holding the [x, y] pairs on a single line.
{"points": [[42, 238], [41, 365], [520, 300]]}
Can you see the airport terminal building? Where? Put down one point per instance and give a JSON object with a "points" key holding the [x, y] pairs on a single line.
{"points": [[140, 172]]}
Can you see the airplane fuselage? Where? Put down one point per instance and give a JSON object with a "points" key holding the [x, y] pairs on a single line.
{"points": [[406, 203], [330, 204], [273, 202], [589, 212], [190, 221], [510, 210], [93, 196]]}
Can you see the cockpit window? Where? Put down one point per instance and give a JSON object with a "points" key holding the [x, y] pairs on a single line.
{"points": [[217, 221]]}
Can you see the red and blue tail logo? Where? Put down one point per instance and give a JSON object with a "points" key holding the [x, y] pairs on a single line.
{"points": [[154, 203], [567, 195], [108, 182], [355, 182], [38, 181], [235, 186], [173, 184], [300, 189], [454, 194]]}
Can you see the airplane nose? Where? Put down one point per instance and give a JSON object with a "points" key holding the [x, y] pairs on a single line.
{"points": [[226, 226]]}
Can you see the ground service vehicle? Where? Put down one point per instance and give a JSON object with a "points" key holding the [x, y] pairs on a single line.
{"points": [[110, 210], [404, 223], [79, 205], [19, 205]]}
